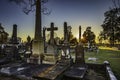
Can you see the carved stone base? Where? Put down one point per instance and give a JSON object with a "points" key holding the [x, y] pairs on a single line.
{"points": [[37, 50], [34, 59], [38, 47]]}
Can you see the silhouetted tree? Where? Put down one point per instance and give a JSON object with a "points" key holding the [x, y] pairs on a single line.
{"points": [[74, 41], [88, 36], [28, 44], [28, 39], [102, 36], [111, 24]]}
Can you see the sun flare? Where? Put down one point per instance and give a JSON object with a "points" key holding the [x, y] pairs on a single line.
{"points": [[77, 36]]}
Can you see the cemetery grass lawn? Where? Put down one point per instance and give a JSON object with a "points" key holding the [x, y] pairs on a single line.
{"points": [[107, 54]]}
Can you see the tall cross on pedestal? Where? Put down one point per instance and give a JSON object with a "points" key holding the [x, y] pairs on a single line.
{"points": [[52, 29]]}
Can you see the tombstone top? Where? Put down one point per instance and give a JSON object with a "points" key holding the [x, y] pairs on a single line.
{"points": [[67, 29], [52, 29]]}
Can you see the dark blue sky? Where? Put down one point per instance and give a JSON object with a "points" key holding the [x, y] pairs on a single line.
{"points": [[75, 12]]}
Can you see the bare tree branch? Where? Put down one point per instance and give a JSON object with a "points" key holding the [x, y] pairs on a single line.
{"points": [[114, 3], [29, 6], [119, 3]]}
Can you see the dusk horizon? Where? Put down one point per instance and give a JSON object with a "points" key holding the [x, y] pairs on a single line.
{"points": [[75, 13]]}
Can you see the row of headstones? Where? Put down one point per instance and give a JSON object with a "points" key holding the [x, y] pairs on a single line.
{"points": [[67, 30], [52, 42], [4, 48], [52, 45]]}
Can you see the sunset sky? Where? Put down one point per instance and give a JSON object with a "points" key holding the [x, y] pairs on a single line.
{"points": [[74, 12]]}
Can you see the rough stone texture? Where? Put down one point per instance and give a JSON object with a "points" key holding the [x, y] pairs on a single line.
{"points": [[52, 73], [23, 70], [79, 54]]}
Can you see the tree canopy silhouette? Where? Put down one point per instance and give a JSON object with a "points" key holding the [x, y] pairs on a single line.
{"points": [[88, 36], [111, 24]]}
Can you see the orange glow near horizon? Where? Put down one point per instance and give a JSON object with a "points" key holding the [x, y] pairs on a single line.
{"points": [[59, 33]]}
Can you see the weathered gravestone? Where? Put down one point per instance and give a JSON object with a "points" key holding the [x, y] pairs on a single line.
{"points": [[54, 72], [11, 49], [14, 39], [28, 48], [51, 44], [66, 47], [12, 52], [51, 51], [79, 54], [3, 35], [22, 70], [65, 54], [78, 70], [52, 29]]}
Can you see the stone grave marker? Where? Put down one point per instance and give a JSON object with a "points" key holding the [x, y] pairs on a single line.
{"points": [[14, 35], [52, 29], [65, 52], [51, 51], [78, 70], [79, 54]]}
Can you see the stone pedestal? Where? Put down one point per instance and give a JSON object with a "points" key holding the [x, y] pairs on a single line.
{"points": [[51, 54], [35, 59], [54, 72], [38, 49], [50, 49]]}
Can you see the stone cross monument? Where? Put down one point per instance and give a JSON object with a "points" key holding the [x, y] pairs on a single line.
{"points": [[52, 29], [51, 47], [65, 47]]}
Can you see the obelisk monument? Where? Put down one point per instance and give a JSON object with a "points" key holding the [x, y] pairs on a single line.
{"points": [[14, 35], [38, 42]]}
